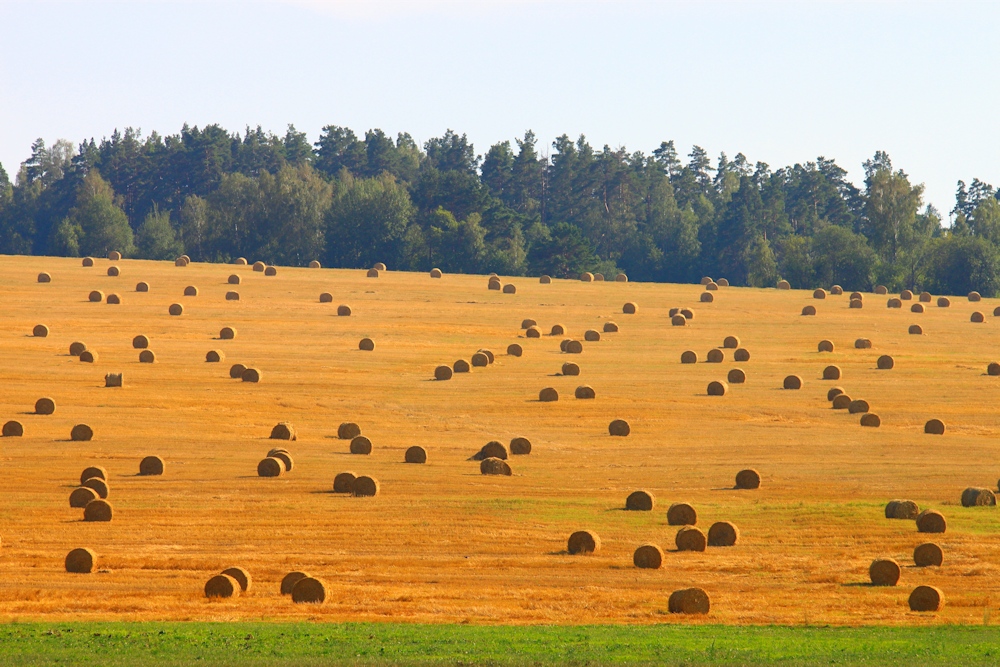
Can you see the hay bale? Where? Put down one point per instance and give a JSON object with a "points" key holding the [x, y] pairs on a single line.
{"points": [[436, 273], [343, 310], [993, 369], [361, 445], [222, 586], [80, 561], [289, 580], [648, 557], [348, 431], [706, 297], [379, 266], [509, 289], [842, 402], [232, 296], [528, 322], [915, 329], [283, 431], [681, 514], [931, 521], [834, 392], [831, 373], [673, 311], [599, 277], [283, 456], [871, 420], [808, 310], [592, 335], [690, 538], [442, 373], [114, 271], [619, 428], [415, 454], [494, 466], [792, 382], [81, 496], [98, 510], [77, 348], [884, 572], [587, 277], [270, 271], [326, 297], [934, 427], [857, 296], [270, 467], [748, 479], [917, 308], [901, 509], [241, 576], [857, 303], [480, 360], [215, 356], [259, 267], [723, 534], [943, 302], [251, 375], [678, 321], [717, 388], [630, 308], [640, 501], [514, 350], [819, 293], [574, 347], [906, 295], [881, 290], [489, 355], [862, 344], [236, 371], [13, 429], [722, 282], [736, 376], [610, 327], [973, 296], [569, 368], [585, 391], [227, 333], [176, 309], [926, 598], [621, 278], [151, 465], [706, 280], [885, 362], [731, 342], [344, 482], [89, 356], [81, 433], [545, 280], [784, 284], [837, 290], [977, 317], [234, 279], [140, 342], [928, 554], [557, 330], [366, 344], [40, 331], [825, 346], [96, 296], [88, 261], [240, 261], [309, 590], [520, 446], [978, 497], [583, 542], [687, 313], [113, 380], [741, 354], [894, 303], [532, 332], [715, 356], [688, 601], [190, 290], [689, 357], [712, 287], [45, 406], [114, 256], [93, 471]]}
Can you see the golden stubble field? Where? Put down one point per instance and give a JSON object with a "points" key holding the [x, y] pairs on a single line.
{"points": [[441, 543]]}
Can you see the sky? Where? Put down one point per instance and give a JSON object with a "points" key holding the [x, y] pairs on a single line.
{"points": [[781, 82]]}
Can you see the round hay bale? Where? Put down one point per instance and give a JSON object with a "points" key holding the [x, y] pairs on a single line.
{"points": [[619, 428], [712, 287], [528, 322], [494, 449], [630, 308], [270, 467], [894, 303], [415, 454], [862, 344], [366, 344], [252, 375], [857, 303], [13, 429], [928, 554], [885, 362], [343, 310], [917, 308], [583, 542], [227, 333], [977, 497], [289, 580], [906, 295], [975, 296], [722, 282], [240, 261], [520, 446], [232, 296], [673, 311], [509, 289], [241, 576], [834, 392], [236, 371], [81, 496], [494, 466], [901, 509], [98, 510], [88, 261], [837, 290], [610, 327], [569, 368], [784, 284], [283, 431], [190, 290], [731, 342], [715, 356], [480, 360], [96, 296], [648, 557], [140, 342], [689, 357], [532, 332], [842, 402], [723, 534], [690, 538], [736, 376], [175, 309], [557, 330], [222, 586], [993, 369], [77, 348], [81, 433], [678, 321], [916, 330], [681, 514], [270, 271], [599, 277], [741, 354], [45, 406], [592, 335], [344, 482], [314, 264], [114, 256], [640, 501], [996, 311], [99, 486], [309, 590], [717, 388], [40, 331], [881, 290], [819, 293], [436, 273], [871, 420], [706, 297], [545, 280], [857, 296], [114, 271], [831, 373], [792, 382], [489, 355], [926, 598], [215, 356], [748, 479], [278, 450], [587, 277], [943, 302], [934, 427], [151, 465], [809, 310], [348, 431], [585, 391], [93, 471], [80, 561], [706, 280], [326, 297], [514, 350], [621, 278], [977, 317], [89, 356], [361, 445], [931, 521], [574, 347], [884, 572], [689, 601], [687, 313], [825, 346], [442, 373], [379, 266], [234, 279]]}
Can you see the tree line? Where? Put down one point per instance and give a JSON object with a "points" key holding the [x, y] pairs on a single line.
{"points": [[351, 201]]}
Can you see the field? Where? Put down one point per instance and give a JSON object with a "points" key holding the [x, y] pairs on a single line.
{"points": [[442, 543]]}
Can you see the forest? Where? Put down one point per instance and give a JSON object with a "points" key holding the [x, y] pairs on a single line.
{"points": [[520, 209]]}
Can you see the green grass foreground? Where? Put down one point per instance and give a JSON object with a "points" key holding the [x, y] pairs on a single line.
{"points": [[383, 644]]}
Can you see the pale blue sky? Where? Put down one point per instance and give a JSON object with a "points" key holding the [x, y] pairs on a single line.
{"points": [[783, 82]]}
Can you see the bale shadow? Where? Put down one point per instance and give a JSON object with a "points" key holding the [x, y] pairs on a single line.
{"points": [[564, 552], [863, 584]]}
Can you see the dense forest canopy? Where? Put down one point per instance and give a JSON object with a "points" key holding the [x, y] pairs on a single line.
{"points": [[351, 201]]}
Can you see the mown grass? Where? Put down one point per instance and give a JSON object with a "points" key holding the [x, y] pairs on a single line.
{"points": [[179, 643]]}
